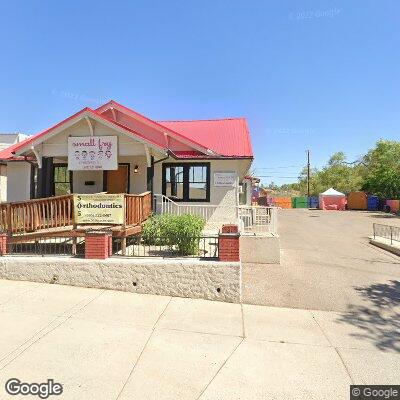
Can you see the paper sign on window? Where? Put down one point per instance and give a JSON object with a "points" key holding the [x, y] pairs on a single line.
{"points": [[224, 179]]}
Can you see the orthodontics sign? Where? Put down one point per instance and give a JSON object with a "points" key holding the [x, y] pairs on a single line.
{"points": [[92, 153], [99, 208]]}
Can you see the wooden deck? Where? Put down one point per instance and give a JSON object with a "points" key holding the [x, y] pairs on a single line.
{"points": [[54, 217]]}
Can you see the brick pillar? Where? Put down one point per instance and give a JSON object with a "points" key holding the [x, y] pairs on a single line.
{"points": [[3, 244], [228, 248], [97, 245]]}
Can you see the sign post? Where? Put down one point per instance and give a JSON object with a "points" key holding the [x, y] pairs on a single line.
{"points": [[99, 209]]}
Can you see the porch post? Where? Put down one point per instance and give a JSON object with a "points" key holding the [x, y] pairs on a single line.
{"points": [[45, 178], [150, 179]]}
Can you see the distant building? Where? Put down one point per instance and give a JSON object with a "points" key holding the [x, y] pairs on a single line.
{"points": [[7, 140], [249, 190]]}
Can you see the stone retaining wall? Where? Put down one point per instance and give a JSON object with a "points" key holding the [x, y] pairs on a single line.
{"points": [[192, 278]]}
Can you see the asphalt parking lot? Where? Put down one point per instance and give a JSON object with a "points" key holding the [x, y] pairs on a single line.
{"points": [[326, 264], [103, 344]]}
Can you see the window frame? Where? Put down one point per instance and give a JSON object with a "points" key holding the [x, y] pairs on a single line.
{"points": [[70, 175], [186, 183]]}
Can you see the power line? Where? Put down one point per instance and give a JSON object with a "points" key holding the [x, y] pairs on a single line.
{"points": [[287, 166], [274, 176], [290, 172]]}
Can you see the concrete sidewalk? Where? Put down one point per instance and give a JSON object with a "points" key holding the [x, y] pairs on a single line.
{"points": [[113, 345]]}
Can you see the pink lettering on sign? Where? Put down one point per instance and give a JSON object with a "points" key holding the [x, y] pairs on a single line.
{"points": [[94, 152], [104, 144]]}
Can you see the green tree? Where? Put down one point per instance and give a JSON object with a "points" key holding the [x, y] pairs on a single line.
{"points": [[377, 172], [382, 176], [337, 173]]}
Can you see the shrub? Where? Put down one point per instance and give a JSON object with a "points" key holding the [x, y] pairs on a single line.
{"points": [[168, 230], [154, 229]]}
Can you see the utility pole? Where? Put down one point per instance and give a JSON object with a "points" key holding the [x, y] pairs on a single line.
{"points": [[308, 173]]}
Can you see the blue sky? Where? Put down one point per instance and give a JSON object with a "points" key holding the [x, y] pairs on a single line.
{"points": [[322, 75]]}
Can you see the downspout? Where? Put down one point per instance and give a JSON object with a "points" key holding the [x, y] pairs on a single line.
{"points": [[162, 159]]}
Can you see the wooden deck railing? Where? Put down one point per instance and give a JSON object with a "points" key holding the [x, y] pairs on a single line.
{"points": [[137, 208], [33, 215], [57, 212]]}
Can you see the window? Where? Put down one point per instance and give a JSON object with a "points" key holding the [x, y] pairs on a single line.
{"points": [[198, 182], [187, 182], [62, 184], [174, 182]]}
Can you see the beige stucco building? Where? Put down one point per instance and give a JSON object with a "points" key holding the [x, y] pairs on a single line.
{"points": [[189, 162], [7, 140]]}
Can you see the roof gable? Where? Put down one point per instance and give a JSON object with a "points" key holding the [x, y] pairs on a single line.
{"points": [[133, 118], [86, 112]]}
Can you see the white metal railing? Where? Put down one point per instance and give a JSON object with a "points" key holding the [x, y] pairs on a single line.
{"points": [[251, 219], [258, 219]]}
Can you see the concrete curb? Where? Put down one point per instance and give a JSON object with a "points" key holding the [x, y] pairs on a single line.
{"points": [[385, 244]]}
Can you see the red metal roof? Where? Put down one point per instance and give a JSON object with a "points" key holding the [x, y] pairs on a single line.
{"points": [[226, 137], [127, 110]]}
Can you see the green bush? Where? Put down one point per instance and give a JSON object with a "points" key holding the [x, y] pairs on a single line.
{"points": [[169, 230]]}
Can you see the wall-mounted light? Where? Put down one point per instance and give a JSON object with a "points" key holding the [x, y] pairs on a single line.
{"points": [[136, 169]]}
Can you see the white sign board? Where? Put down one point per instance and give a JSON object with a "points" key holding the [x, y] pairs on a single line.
{"points": [[224, 179], [92, 153], [99, 208]]}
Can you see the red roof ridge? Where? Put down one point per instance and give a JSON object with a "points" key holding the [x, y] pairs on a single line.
{"points": [[113, 102]]}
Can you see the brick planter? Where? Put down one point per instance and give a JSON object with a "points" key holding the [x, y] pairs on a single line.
{"points": [[3, 244], [98, 245], [229, 243]]}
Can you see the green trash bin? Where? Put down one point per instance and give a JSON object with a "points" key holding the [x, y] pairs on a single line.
{"points": [[300, 202]]}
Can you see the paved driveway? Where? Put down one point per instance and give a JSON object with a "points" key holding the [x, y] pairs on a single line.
{"points": [[112, 345], [327, 264]]}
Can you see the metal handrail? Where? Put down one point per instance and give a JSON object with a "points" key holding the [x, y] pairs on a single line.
{"points": [[389, 232], [252, 219]]}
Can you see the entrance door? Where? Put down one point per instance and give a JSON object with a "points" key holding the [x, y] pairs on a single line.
{"points": [[117, 181]]}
